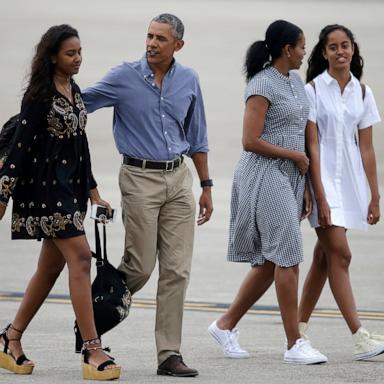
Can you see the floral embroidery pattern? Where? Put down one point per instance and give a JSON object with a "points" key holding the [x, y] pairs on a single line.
{"points": [[48, 224], [7, 184], [31, 225], [62, 110], [17, 222], [78, 219], [124, 309]]}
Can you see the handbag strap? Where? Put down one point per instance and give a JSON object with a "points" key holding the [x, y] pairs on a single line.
{"points": [[98, 254], [105, 242]]}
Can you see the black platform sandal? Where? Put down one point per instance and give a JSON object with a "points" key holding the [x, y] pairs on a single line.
{"points": [[7, 360], [100, 373]]}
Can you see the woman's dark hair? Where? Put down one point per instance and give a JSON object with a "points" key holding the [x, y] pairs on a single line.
{"points": [[318, 64], [262, 53], [40, 85]]}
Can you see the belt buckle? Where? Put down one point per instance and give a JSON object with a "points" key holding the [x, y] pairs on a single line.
{"points": [[169, 162]]}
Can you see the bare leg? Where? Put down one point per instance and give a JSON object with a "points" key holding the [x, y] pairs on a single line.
{"points": [[77, 254], [49, 267], [335, 245], [286, 282], [255, 284], [314, 283]]}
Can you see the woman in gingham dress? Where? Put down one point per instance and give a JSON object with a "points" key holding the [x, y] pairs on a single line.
{"points": [[268, 189]]}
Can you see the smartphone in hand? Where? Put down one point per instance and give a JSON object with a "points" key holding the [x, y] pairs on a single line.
{"points": [[100, 213]]}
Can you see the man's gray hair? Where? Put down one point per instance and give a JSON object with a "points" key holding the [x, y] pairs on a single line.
{"points": [[175, 23]]}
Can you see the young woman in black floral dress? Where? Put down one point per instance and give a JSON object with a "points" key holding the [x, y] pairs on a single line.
{"points": [[48, 174]]}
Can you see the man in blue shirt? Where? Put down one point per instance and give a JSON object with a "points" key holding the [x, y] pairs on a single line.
{"points": [[159, 117]]}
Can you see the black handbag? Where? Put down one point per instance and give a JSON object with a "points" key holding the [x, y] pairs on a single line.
{"points": [[110, 294]]}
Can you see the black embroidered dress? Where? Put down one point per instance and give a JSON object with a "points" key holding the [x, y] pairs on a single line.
{"points": [[48, 169]]}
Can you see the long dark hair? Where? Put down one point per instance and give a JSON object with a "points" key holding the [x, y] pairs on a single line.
{"points": [[318, 64], [262, 53], [40, 85]]}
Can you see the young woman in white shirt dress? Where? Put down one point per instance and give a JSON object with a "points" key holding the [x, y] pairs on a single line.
{"points": [[342, 158]]}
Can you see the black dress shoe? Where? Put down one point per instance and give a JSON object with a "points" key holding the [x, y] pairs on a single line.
{"points": [[175, 366]]}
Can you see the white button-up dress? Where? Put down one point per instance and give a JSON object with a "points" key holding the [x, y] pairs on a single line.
{"points": [[338, 117]]}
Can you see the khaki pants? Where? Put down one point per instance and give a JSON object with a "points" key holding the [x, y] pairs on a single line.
{"points": [[158, 215]]}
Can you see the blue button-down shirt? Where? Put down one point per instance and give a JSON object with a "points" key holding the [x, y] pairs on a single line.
{"points": [[152, 123]]}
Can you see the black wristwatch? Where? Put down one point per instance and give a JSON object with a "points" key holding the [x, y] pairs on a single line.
{"points": [[206, 183]]}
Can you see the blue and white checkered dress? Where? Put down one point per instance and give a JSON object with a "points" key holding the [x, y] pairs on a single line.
{"points": [[267, 193]]}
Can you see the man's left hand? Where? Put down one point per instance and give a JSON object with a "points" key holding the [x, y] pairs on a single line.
{"points": [[206, 206]]}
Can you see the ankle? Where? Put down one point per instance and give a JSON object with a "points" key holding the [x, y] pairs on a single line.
{"points": [[224, 324], [92, 344], [13, 333]]}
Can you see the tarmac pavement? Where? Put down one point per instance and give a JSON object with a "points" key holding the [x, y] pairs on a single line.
{"points": [[50, 343]]}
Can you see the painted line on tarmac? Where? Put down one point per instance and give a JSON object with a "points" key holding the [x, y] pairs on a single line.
{"points": [[202, 306]]}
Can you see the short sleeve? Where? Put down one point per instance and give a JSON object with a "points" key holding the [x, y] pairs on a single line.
{"points": [[259, 85], [371, 114], [311, 95]]}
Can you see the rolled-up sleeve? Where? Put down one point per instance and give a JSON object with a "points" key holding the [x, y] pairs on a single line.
{"points": [[105, 93], [195, 123]]}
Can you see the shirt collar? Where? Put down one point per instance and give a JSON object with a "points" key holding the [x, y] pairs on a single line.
{"points": [[147, 71], [279, 74], [329, 79]]}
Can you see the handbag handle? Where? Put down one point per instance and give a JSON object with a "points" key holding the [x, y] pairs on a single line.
{"points": [[100, 257]]}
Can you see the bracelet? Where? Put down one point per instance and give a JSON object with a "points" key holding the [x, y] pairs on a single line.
{"points": [[206, 183]]}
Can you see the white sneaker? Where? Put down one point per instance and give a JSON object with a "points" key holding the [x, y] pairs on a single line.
{"points": [[377, 337], [303, 353], [366, 345], [229, 341]]}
